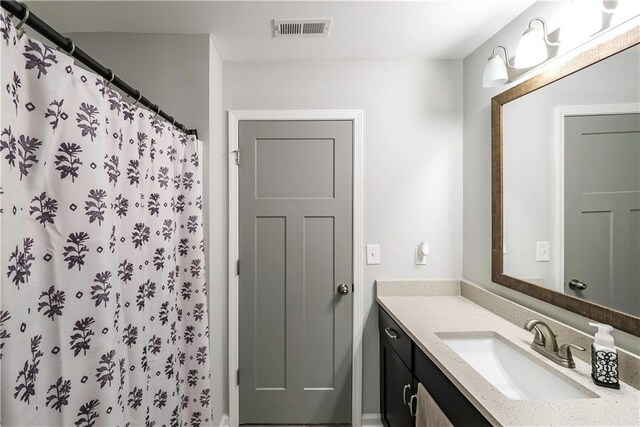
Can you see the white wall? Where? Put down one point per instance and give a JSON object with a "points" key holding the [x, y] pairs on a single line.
{"points": [[477, 163], [183, 75], [412, 156], [530, 151]]}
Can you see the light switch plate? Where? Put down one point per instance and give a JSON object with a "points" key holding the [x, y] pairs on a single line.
{"points": [[373, 254], [542, 251]]}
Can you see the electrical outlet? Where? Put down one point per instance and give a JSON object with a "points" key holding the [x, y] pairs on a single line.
{"points": [[422, 250]]}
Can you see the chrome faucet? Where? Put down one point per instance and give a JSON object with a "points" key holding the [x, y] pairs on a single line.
{"points": [[545, 343]]}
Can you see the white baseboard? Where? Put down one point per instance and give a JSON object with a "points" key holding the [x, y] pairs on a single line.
{"points": [[371, 420], [224, 421]]}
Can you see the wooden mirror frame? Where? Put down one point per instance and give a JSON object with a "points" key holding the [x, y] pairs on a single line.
{"points": [[564, 67]]}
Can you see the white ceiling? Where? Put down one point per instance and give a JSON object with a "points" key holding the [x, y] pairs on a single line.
{"points": [[361, 30]]}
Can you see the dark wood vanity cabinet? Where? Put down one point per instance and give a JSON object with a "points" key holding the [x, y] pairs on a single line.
{"points": [[402, 366], [397, 387]]}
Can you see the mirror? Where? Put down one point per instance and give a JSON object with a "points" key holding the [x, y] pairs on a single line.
{"points": [[566, 184]]}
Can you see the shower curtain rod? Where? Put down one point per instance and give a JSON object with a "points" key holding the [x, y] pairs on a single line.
{"points": [[19, 10]]}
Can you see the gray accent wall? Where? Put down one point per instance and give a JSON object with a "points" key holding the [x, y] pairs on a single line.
{"points": [[477, 169], [412, 159]]}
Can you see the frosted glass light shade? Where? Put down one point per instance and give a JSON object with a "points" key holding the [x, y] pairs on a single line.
{"points": [[582, 19], [532, 49], [495, 72]]}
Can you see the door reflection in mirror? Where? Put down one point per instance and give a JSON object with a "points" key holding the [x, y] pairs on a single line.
{"points": [[572, 178]]}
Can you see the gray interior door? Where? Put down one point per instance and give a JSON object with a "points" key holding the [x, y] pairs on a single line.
{"points": [[295, 252], [602, 209]]}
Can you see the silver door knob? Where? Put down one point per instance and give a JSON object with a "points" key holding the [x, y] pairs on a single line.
{"points": [[577, 285], [343, 289]]}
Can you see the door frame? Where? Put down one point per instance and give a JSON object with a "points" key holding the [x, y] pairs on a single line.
{"points": [[356, 116], [562, 112]]}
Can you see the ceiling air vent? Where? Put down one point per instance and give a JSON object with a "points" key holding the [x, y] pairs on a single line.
{"points": [[301, 27]]}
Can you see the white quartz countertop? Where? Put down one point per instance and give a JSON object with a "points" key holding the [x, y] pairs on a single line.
{"points": [[422, 317]]}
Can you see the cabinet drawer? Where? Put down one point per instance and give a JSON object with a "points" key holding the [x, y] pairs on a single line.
{"points": [[451, 401], [398, 339]]}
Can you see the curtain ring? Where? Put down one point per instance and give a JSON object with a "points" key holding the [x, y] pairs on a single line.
{"points": [[173, 121], [156, 112], [113, 76], [20, 24], [138, 100], [73, 47], [70, 51]]}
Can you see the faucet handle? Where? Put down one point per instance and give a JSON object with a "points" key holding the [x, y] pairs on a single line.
{"points": [[538, 336], [564, 352], [543, 335]]}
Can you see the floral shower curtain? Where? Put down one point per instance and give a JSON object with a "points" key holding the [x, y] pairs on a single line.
{"points": [[104, 309]]}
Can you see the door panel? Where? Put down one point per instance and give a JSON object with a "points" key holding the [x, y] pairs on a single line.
{"points": [[602, 198], [635, 246], [597, 254], [295, 249], [319, 303], [309, 172], [270, 348]]}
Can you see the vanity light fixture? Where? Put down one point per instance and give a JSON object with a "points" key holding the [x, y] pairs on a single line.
{"points": [[495, 70], [532, 48], [582, 19]]}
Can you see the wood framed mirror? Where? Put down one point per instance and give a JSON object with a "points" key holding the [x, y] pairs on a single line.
{"points": [[524, 263]]}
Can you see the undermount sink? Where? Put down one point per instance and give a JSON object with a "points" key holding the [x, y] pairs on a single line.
{"points": [[510, 369]]}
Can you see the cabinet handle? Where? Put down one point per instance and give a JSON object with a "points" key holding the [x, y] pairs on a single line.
{"points": [[413, 396], [391, 333], [404, 393]]}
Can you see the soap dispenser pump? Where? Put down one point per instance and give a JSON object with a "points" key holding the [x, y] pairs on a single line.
{"points": [[604, 357]]}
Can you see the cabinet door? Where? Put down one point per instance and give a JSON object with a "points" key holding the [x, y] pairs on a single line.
{"points": [[395, 385], [453, 404]]}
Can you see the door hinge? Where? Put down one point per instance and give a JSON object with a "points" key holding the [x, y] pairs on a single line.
{"points": [[238, 377], [353, 289], [237, 153], [238, 268]]}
